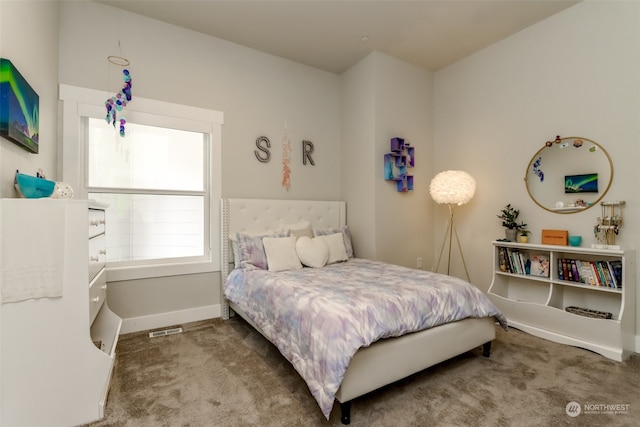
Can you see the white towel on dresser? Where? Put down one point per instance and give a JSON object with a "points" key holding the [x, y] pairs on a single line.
{"points": [[31, 249]]}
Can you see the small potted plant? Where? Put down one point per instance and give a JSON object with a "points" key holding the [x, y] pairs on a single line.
{"points": [[523, 233], [509, 215]]}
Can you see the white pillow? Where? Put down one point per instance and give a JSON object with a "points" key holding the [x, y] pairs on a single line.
{"points": [[337, 251], [281, 253], [346, 234], [312, 252]]}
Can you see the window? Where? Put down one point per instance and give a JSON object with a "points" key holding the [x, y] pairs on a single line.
{"points": [[161, 182], [154, 183]]}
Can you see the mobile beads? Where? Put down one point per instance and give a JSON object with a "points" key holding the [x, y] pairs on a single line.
{"points": [[116, 103]]}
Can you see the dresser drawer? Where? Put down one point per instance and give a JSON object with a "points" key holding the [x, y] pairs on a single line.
{"points": [[96, 222], [97, 296], [97, 255]]}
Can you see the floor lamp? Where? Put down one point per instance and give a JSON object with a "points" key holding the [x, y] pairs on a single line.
{"points": [[452, 188]]}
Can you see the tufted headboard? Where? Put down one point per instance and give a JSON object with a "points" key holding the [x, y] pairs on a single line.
{"points": [[257, 215]]}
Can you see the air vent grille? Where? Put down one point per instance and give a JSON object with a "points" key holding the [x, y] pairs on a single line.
{"points": [[165, 332]]}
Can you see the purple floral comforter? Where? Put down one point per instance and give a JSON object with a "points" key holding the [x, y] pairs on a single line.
{"points": [[319, 317]]}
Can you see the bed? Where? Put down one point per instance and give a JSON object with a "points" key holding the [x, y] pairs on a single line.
{"points": [[340, 368]]}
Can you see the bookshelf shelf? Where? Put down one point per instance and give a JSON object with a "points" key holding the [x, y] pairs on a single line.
{"points": [[589, 287], [530, 286]]}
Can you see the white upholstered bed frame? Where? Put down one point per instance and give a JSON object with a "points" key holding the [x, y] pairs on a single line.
{"points": [[383, 362]]}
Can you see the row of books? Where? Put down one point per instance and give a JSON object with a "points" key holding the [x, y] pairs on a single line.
{"points": [[515, 261], [596, 273]]}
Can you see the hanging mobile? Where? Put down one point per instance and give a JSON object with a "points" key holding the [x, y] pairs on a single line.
{"points": [[118, 102]]}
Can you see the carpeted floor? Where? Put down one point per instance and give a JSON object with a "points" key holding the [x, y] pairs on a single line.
{"points": [[224, 373]]}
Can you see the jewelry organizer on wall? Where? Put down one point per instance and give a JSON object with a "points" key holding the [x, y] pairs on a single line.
{"points": [[609, 224]]}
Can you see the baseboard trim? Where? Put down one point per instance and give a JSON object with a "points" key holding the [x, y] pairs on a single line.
{"points": [[161, 320]]}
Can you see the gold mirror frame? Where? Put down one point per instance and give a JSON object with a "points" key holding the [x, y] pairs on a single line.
{"points": [[560, 158]]}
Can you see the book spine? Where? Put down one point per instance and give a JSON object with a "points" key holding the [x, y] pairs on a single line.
{"points": [[515, 262], [502, 260], [585, 273], [614, 280], [509, 260], [601, 274], [596, 275], [560, 269], [525, 263], [565, 270], [569, 275], [617, 272], [606, 274], [574, 271], [591, 279]]}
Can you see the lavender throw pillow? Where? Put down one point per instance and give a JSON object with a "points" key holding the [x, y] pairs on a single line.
{"points": [[251, 250], [345, 235]]}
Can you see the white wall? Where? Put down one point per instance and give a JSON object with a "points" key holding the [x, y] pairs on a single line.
{"points": [[29, 39], [358, 134], [574, 74], [257, 93], [382, 98], [404, 108], [34, 53]]}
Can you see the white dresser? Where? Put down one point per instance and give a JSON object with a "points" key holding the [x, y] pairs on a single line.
{"points": [[57, 351]]}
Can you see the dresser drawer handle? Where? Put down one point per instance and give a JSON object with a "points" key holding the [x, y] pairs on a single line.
{"points": [[96, 300], [103, 287], [96, 223], [94, 258], [103, 251]]}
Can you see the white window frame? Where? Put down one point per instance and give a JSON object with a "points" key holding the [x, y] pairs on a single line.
{"points": [[78, 102]]}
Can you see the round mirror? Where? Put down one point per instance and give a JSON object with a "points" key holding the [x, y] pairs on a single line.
{"points": [[569, 175]]}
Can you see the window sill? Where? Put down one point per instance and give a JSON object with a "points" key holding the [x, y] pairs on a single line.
{"points": [[119, 274]]}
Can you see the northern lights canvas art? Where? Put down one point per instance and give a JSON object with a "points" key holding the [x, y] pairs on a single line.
{"points": [[19, 108]]}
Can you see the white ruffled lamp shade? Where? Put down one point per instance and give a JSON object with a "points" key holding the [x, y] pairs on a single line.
{"points": [[452, 187]]}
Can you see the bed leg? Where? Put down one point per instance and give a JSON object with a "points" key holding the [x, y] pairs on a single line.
{"points": [[345, 416], [486, 349]]}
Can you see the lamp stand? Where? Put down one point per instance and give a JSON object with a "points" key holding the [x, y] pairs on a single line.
{"points": [[451, 230]]}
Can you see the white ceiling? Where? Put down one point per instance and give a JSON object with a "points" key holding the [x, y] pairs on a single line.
{"points": [[329, 34]]}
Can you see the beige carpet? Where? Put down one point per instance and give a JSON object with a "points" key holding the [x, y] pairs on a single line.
{"points": [[223, 373]]}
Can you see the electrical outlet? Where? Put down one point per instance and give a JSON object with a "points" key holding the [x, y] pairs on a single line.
{"points": [[419, 262]]}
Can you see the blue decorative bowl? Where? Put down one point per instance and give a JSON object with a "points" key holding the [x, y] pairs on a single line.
{"points": [[33, 187], [575, 240]]}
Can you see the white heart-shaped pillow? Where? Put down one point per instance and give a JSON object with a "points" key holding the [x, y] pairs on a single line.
{"points": [[312, 252]]}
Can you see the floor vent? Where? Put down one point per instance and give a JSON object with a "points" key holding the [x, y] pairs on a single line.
{"points": [[165, 332]]}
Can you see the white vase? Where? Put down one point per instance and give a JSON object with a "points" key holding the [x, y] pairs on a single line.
{"points": [[510, 234]]}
